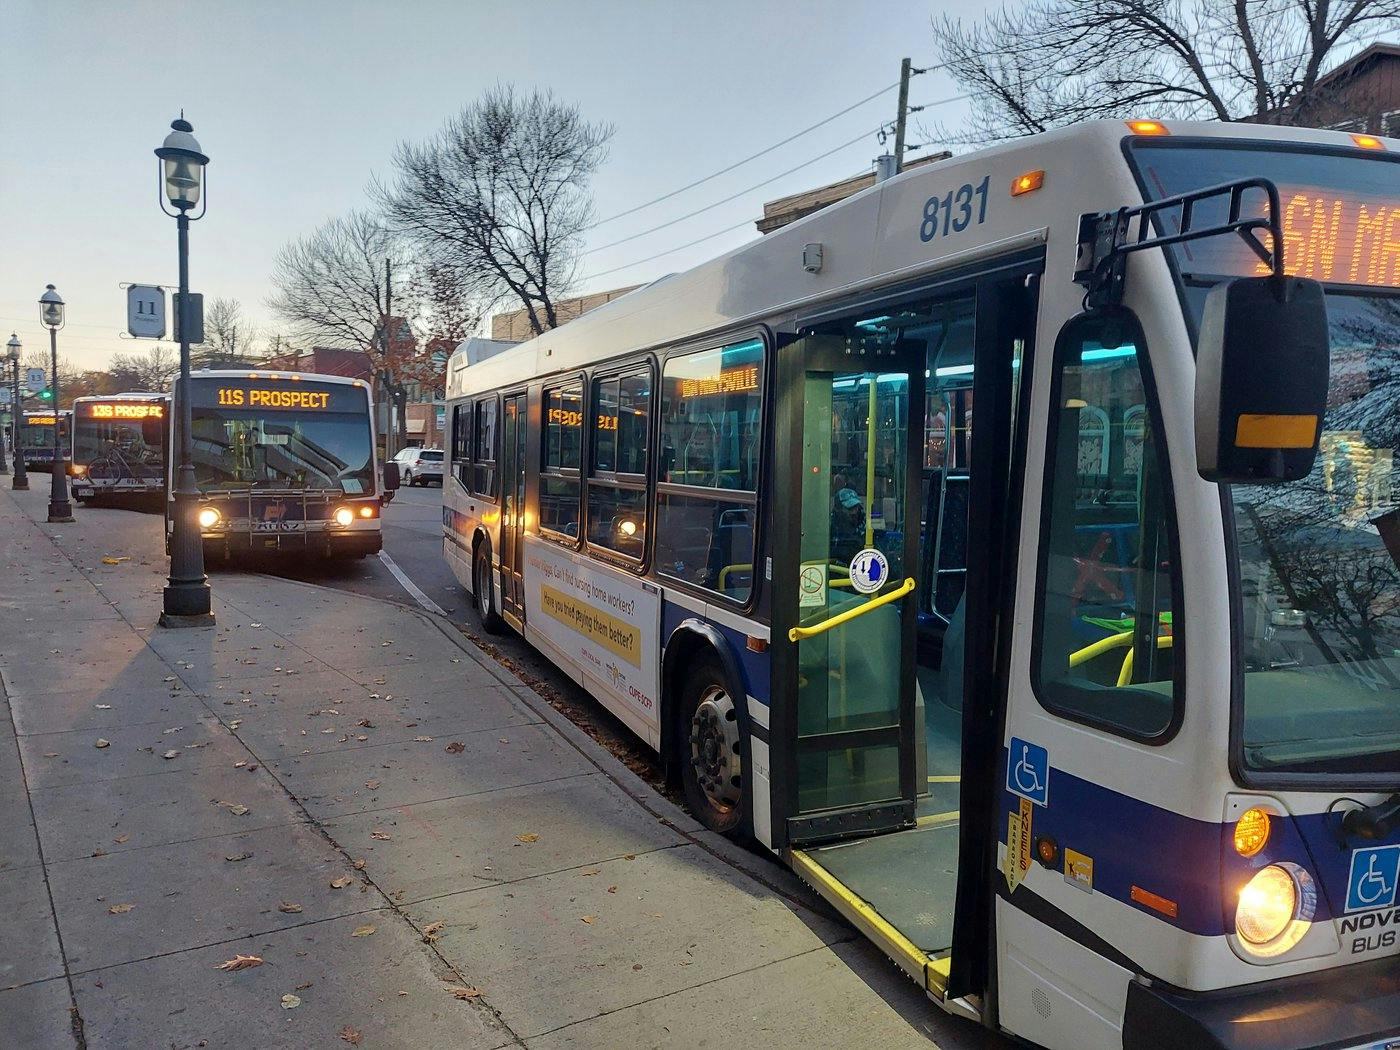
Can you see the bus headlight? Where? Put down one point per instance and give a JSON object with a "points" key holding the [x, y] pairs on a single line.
{"points": [[208, 518], [78, 470], [344, 516], [1275, 909]]}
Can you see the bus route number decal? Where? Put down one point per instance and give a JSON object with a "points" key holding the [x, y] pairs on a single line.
{"points": [[954, 211]]}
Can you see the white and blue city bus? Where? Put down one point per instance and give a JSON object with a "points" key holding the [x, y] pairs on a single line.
{"points": [[285, 462], [119, 446], [1089, 714], [36, 436]]}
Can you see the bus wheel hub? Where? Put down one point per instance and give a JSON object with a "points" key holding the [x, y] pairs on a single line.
{"points": [[714, 747]]}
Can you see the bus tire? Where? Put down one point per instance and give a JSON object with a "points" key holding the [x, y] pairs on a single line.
{"points": [[483, 595], [710, 748]]}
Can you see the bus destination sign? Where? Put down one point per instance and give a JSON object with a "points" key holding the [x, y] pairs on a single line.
{"points": [[122, 409], [282, 397], [279, 395]]}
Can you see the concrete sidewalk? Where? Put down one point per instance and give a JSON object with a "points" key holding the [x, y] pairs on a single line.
{"points": [[421, 851]]}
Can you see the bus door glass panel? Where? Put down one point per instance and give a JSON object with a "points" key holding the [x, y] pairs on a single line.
{"points": [[854, 689], [560, 461], [512, 499], [1108, 640]]}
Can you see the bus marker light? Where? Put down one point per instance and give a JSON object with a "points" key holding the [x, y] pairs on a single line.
{"points": [[754, 644], [1027, 183], [344, 516], [1147, 127], [1368, 142], [208, 518], [1148, 899], [1251, 831], [367, 510], [78, 470]]}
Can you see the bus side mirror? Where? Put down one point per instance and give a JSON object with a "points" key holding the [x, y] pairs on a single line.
{"points": [[391, 476], [1261, 380]]}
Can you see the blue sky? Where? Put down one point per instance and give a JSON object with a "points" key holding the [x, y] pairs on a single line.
{"points": [[300, 103]]}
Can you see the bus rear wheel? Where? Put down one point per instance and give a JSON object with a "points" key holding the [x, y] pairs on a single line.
{"points": [[711, 751], [482, 598]]}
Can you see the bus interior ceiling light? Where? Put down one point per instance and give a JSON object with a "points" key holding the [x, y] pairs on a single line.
{"points": [[1147, 127], [1028, 182]]}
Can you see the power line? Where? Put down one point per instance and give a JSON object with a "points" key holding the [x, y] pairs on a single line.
{"points": [[669, 251], [739, 163]]}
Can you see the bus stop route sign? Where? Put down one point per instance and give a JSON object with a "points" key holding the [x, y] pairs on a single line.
{"points": [[6, 395], [145, 311], [34, 379]]}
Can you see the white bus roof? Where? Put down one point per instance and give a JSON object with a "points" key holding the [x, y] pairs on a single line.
{"points": [[866, 243], [128, 395], [274, 373]]}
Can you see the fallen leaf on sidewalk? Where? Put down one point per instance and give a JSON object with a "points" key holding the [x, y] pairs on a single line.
{"points": [[365, 723], [172, 729], [359, 865], [431, 931], [239, 765], [120, 909], [240, 962], [590, 919], [341, 882], [122, 838], [102, 743], [529, 836], [373, 785], [455, 748], [465, 992], [234, 858], [171, 754], [382, 836], [303, 987], [289, 908], [367, 930], [291, 1002], [350, 1035], [115, 561], [585, 874], [238, 810], [612, 889]]}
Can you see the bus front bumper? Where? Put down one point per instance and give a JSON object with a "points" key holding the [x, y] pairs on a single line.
{"points": [[1355, 1007], [336, 544]]}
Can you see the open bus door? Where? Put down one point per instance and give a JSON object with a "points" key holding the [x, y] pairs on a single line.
{"points": [[885, 751]]}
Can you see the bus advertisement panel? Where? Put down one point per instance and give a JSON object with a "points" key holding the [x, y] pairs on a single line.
{"points": [[284, 462], [119, 445]]}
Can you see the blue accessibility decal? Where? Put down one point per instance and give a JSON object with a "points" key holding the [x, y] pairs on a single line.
{"points": [[1375, 874], [1028, 771]]}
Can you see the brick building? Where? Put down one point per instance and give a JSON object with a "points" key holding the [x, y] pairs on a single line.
{"points": [[1360, 95], [514, 327]]}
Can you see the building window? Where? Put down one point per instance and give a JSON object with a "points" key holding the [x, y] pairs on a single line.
{"points": [[484, 448], [617, 486], [707, 476], [560, 461], [1108, 640], [462, 444]]}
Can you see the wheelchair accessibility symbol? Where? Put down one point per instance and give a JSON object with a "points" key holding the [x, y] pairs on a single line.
{"points": [[1028, 771], [1375, 874]]}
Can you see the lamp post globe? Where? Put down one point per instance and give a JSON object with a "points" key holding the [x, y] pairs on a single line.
{"points": [[187, 601], [51, 311], [13, 350]]}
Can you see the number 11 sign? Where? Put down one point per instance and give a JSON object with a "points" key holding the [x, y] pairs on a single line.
{"points": [[145, 311]]}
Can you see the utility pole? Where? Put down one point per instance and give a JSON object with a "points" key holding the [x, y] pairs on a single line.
{"points": [[906, 70], [386, 374]]}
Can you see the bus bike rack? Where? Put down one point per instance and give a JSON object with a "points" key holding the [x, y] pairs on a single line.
{"points": [[1106, 239]]}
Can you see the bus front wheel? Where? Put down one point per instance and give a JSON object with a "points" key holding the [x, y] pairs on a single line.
{"points": [[482, 598], [711, 755]]}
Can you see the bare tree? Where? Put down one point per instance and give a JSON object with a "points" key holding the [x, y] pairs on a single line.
{"points": [[1039, 65], [330, 287], [152, 369], [499, 200], [228, 338]]}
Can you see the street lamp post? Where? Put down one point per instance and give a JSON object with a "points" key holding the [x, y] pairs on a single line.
{"points": [[187, 598], [21, 478], [52, 312]]}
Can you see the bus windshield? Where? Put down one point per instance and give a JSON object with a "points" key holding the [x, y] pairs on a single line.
{"points": [[235, 448], [130, 444], [1318, 559]]}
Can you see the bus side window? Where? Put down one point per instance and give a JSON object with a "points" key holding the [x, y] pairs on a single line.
{"points": [[462, 444], [560, 461], [484, 471], [707, 481], [617, 487], [1107, 644]]}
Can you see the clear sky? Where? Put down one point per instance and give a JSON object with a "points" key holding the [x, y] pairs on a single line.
{"points": [[300, 102]]}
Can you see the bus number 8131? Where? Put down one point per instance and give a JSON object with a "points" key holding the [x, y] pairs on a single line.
{"points": [[955, 209]]}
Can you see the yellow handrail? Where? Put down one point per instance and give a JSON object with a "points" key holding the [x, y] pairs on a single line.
{"points": [[1125, 673], [796, 634], [1116, 641]]}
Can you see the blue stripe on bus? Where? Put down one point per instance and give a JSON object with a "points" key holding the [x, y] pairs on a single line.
{"points": [[755, 666]]}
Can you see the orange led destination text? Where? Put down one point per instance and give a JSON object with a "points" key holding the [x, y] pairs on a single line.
{"points": [[1341, 241], [127, 411], [257, 397], [730, 381]]}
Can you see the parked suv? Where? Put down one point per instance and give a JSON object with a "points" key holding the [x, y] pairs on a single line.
{"points": [[420, 466]]}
